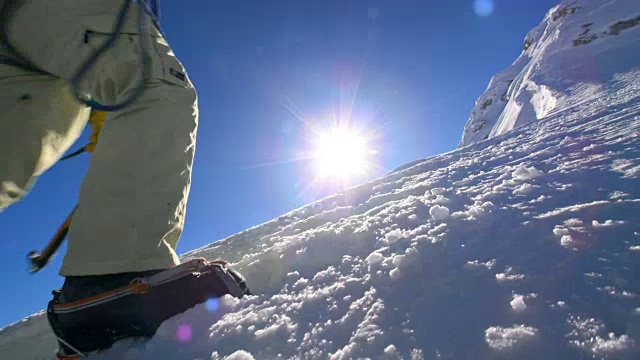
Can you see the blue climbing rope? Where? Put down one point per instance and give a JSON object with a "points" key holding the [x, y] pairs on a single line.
{"points": [[151, 8]]}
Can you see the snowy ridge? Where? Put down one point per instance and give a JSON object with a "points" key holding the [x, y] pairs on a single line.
{"points": [[579, 42], [29, 338]]}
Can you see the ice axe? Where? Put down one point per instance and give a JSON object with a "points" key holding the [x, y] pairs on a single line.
{"points": [[37, 259]]}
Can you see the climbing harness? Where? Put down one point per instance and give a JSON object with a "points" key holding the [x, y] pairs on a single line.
{"points": [[96, 120]]}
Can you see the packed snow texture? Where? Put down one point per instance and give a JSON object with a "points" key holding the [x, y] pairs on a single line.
{"points": [[576, 48], [506, 338], [526, 245]]}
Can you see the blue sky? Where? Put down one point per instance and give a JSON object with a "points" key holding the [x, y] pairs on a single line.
{"points": [[270, 72]]}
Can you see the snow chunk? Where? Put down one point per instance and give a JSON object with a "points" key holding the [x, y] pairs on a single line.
{"points": [[284, 325], [523, 173], [417, 354], [573, 222], [499, 188], [300, 283], [412, 217], [523, 189], [560, 305], [617, 194], [439, 212], [609, 222], [590, 335], [390, 350], [400, 260], [566, 241], [476, 264], [476, 211], [634, 248], [441, 200], [543, 99], [438, 229], [504, 338], [393, 236], [240, 355], [374, 258], [509, 275], [560, 230], [626, 167], [573, 208], [437, 191], [611, 345], [517, 304], [479, 208], [395, 274]]}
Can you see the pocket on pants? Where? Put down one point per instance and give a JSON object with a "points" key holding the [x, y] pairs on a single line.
{"points": [[127, 47], [169, 69], [165, 65]]}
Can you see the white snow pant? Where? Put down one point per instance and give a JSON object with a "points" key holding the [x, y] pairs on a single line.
{"points": [[132, 201]]}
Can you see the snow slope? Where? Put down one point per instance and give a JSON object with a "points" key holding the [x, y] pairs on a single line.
{"points": [[580, 43], [525, 245]]}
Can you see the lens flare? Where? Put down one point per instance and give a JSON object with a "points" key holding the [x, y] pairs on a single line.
{"points": [[184, 333], [212, 305], [483, 7]]}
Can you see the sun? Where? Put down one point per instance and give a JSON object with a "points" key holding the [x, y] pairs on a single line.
{"points": [[341, 153]]}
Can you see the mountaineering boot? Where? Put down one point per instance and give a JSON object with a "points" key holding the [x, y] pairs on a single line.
{"points": [[90, 313]]}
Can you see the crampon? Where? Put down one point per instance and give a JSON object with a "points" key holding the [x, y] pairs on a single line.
{"points": [[94, 324]]}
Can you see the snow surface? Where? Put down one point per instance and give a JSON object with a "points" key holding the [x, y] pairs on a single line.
{"points": [[537, 257]]}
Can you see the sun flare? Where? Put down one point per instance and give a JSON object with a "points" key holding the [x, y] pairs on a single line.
{"points": [[341, 153]]}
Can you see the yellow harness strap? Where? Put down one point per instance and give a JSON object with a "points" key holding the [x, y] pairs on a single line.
{"points": [[96, 119]]}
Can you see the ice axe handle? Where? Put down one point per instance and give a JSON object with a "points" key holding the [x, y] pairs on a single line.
{"points": [[38, 260]]}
